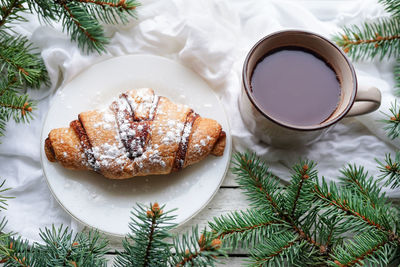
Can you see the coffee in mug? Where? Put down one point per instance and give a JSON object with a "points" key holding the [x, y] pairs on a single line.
{"points": [[296, 85]]}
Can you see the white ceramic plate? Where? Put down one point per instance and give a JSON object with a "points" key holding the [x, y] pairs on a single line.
{"points": [[106, 204]]}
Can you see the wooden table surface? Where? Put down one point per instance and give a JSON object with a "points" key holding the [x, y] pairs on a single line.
{"points": [[228, 198]]}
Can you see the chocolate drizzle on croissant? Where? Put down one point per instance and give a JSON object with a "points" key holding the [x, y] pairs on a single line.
{"points": [[49, 150], [139, 134], [77, 126], [134, 134], [187, 130]]}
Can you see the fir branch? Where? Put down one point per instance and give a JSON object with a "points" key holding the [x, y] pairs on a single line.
{"points": [[45, 10], [264, 192], [327, 232], [18, 254], [5, 250], [390, 170], [19, 107], [248, 228], [260, 185], [3, 123], [281, 247], [10, 84], [392, 121], [356, 179], [110, 11], [374, 39], [372, 246], [3, 198], [83, 28], [354, 211], [62, 248], [18, 59], [299, 192], [196, 250], [10, 11], [397, 76], [146, 245], [392, 6]]}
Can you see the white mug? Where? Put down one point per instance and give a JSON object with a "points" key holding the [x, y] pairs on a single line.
{"points": [[353, 101]]}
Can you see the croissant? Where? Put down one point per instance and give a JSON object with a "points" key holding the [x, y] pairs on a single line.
{"points": [[139, 134]]}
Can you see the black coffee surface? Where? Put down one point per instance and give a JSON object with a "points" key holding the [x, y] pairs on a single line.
{"points": [[294, 86]]}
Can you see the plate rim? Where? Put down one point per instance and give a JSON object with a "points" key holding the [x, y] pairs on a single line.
{"points": [[228, 144]]}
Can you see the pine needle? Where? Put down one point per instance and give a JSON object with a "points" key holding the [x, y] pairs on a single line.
{"points": [[11, 12], [146, 244], [246, 228], [379, 39], [392, 6], [275, 251], [63, 248], [111, 11], [392, 121], [390, 170], [397, 76], [20, 62], [194, 249], [83, 28], [372, 246], [357, 180]]}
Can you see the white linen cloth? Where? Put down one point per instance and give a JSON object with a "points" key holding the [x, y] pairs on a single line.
{"points": [[212, 38]]}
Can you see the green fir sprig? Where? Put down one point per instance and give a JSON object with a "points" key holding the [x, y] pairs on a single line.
{"points": [[21, 65], [390, 170], [379, 38], [245, 228], [146, 245], [194, 249], [397, 74], [63, 248], [11, 11], [280, 211], [357, 180], [60, 247], [375, 39], [392, 121], [80, 18], [110, 11], [361, 250], [311, 222], [149, 243], [391, 6], [83, 28]]}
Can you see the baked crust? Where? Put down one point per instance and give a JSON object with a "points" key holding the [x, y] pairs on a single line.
{"points": [[67, 149], [139, 134]]}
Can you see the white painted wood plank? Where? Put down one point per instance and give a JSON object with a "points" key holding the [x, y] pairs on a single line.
{"points": [[231, 262], [229, 179]]}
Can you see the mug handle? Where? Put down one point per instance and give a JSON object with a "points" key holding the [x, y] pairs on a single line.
{"points": [[368, 99]]}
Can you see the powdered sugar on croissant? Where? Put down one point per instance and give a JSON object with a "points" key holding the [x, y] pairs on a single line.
{"points": [[139, 134]]}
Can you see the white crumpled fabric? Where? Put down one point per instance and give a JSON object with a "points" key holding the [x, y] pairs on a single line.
{"points": [[212, 38]]}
